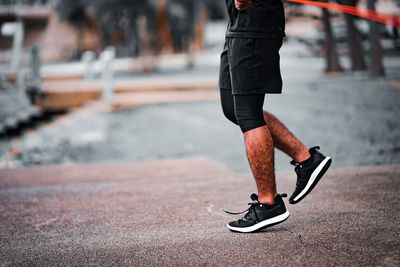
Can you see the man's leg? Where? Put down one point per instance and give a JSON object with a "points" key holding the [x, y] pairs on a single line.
{"points": [[260, 153], [284, 140], [311, 165], [268, 207], [259, 144]]}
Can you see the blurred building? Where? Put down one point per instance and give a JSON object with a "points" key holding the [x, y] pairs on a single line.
{"points": [[63, 29], [43, 27]]}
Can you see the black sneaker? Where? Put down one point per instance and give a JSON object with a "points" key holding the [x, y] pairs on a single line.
{"points": [[309, 172], [260, 215]]}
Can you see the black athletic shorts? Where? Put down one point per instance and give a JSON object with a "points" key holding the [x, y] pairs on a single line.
{"points": [[251, 65]]}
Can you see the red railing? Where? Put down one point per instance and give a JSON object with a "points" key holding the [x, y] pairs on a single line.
{"points": [[380, 17]]}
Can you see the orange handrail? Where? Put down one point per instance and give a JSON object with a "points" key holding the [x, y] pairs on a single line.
{"points": [[380, 17]]}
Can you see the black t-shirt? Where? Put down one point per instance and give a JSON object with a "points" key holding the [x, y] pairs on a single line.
{"points": [[263, 19]]}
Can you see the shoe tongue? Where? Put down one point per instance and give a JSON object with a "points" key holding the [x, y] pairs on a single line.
{"points": [[254, 197]]}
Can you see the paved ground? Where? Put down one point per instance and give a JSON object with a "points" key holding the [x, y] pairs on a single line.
{"points": [[169, 213]]}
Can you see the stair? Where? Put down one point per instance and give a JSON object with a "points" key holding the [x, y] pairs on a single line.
{"points": [[132, 100], [62, 95], [16, 113]]}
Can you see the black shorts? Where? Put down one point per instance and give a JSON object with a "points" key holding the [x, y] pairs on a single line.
{"points": [[251, 66]]}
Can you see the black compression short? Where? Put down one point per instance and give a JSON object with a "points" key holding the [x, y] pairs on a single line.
{"points": [[243, 110]]}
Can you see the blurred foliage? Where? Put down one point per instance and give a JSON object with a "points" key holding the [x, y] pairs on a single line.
{"points": [[74, 11], [123, 15], [182, 17]]}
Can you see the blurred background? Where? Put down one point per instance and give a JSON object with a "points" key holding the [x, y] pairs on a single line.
{"points": [[92, 81]]}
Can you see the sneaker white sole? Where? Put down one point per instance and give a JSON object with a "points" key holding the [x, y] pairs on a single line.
{"points": [[314, 176], [262, 224]]}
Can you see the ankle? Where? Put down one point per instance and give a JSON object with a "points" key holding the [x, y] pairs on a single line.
{"points": [[302, 156], [267, 199]]}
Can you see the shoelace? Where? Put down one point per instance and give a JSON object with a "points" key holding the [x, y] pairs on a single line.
{"points": [[252, 206]]}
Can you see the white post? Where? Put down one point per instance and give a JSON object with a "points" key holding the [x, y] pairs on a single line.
{"points": [[16, 54], [106, 59], [35, 64], [17, 46], [88, 59]]}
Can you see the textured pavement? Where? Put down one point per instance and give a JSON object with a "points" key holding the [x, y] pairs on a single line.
{"points": [[170, 213]]}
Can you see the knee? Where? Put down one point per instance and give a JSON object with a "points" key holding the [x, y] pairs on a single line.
{"points": [[249, 111], [249, 121]]}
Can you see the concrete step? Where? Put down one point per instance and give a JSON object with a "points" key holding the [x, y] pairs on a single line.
{"points": [[58, 95], [17, 123], [11, 77], [12, 103], [132, 100], [67, 94], [66, 77], [164, 84], [16, 113]]}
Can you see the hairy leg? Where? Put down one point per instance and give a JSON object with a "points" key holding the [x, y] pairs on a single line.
{"points": [[260, 153], [284, 140], [258, 142]]}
